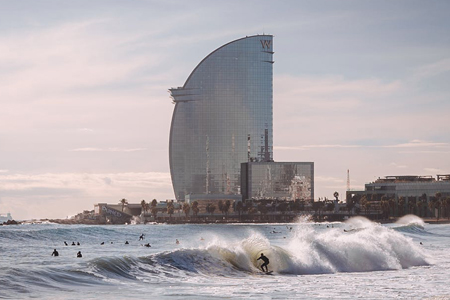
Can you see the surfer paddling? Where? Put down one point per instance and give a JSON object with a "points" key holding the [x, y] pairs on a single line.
{"points": [[266, 262]]}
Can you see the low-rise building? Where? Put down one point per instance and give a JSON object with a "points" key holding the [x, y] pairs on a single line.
{"points": [[411, 189], [277, 180]]}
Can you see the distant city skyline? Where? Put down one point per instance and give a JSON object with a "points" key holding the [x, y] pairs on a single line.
{"points": [[85, 112]]}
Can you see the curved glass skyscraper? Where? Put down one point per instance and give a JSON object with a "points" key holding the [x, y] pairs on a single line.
{"points": [[222, 118]]}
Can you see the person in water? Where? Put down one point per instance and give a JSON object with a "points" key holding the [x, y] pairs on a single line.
{"points": [[79, 254], [266, 262], [55, 253], [177, 241], [141, 237]]}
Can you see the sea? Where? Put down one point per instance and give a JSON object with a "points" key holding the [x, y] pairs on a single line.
{"points": [[356, 259]]}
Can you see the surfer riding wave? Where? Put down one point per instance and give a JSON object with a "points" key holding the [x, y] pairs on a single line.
{"points": [[266, 262]]}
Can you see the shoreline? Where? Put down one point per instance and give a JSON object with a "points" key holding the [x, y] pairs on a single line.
{"points": [[202, 221]]}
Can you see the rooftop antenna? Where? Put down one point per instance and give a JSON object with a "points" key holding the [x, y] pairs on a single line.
{"points": [[348, 180]]}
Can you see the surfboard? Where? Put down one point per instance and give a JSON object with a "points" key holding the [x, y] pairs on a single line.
{"points": [[268, 273]]}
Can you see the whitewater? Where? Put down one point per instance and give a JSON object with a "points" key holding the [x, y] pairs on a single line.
{"points": [[350, 260]]}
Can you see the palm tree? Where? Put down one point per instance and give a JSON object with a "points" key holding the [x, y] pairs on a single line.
{"points": [[438, 206], [330, 205], [252, 211], [438, 203], [367, 207], [123, 202], [195, 208], [170, 209], [262, 208], [391, 202], [154, 203], [318, 206], [143, 203], [226, 207], [363, 203], [351, 202], [423, 204], [247, 205], [154, 212], [401, 203], [210, 208], [385, 208], [411, 204], [186, 209], [220, 206], [154, 209], [447, 204], [239, 208]]}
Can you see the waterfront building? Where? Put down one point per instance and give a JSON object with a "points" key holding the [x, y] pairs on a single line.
{"points": [[406, 192], [415, 187], [222, 118], [278, 180]]}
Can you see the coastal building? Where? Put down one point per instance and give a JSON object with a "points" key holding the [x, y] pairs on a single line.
{"points": [[222, 118], [278, 180], [116, 212], [416, 187], [407, 194]]}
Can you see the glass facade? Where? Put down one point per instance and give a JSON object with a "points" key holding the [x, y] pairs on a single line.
{"points": [[278, 180], [222, 118]]}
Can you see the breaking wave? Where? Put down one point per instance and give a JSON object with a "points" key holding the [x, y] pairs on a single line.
{"points": [[358, 245], [366, 247]]}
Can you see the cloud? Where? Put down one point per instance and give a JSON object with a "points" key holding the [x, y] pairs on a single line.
{"points": [[4, 171], [108, 149], [431, 70], [69, 193], [435, 171], [83, 181], [425, 152], [71, 55], [397, 165], [418, 143], [305, 147], [331, 92], [85, 130], [411, 144]]}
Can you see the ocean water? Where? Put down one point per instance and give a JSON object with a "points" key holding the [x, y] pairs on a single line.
{"points": [[357, 259]]}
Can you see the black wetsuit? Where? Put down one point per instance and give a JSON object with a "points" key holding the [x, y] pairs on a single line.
{"points": [[55, 253], [266, 262]]}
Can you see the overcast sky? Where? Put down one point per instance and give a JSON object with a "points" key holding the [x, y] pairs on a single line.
{"points": [[85, 113]]}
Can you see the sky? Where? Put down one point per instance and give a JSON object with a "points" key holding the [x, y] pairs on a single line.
{"points": [[85, 112]]}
